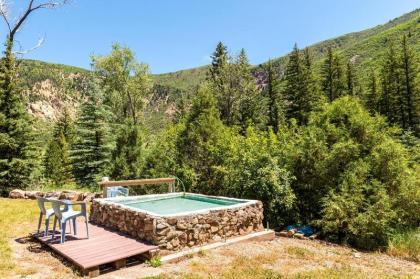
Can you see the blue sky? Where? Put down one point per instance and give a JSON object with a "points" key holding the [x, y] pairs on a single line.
{"points": [[178, 34]]}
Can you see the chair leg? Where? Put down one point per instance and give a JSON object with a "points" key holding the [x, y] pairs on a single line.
{"points": [[70, 225], [87, 227], [55, 225], [74, 226], [39, 222], [47, 223], [63, 232]]}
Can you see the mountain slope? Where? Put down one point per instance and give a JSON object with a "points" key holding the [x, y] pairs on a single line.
{"points": [[52, 87], [365, 47]]}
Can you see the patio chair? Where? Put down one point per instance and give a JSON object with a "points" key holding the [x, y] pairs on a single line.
{"points": [[70, 215], [46, 212], [116, 191]]}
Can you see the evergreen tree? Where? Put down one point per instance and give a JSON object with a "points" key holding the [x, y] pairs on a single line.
{"points": [[16, 134], [220, 59], [331, 76], [274, 103], [300, 93], [249, 99], [350, 78], [410, 91], [57, 159], [201, 144], [391, 102], [127, 157], [223, 82], [372, 98], [91, 151]]}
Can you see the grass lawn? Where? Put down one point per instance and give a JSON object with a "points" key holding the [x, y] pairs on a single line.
{"points": [[281, 258]]}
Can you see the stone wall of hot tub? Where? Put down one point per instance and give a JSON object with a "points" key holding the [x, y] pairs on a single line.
{"points": [[175, 233]]}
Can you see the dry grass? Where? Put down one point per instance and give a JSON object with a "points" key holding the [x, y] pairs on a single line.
{"points": [[281, 258]]}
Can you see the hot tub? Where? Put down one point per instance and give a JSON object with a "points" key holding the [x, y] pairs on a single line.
{"points": [[177, 220]]}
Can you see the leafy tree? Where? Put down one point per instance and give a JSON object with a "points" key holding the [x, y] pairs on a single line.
{"points": [[332, 76], [202, 145], [254, 171], [125, 81], [127, 84], [16, 134], [91, 151]]}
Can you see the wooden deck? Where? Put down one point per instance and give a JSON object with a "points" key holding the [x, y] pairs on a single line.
{"points": [[104, 246]]}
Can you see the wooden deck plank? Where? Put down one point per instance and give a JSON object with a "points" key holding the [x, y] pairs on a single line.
{"points": [[103, 246]]}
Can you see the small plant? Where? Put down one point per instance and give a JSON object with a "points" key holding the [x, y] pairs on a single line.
{"points": [[154, 262], [201, 253]]}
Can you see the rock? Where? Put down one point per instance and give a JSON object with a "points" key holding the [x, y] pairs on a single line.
{"points": [[164, 231], [175, 242], [299, 235], [181, 226], [17, 194], [283, 233], [312, 237], [214, 229], [32, 194], [161, 226], [171, 221], [290, 233], [357, 255], [217, 238]]}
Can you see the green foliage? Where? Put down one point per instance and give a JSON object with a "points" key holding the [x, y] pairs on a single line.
{"points": [[275, 107], [300, 94], [255, 172], [405, 245], [57, 165], [91, 151], [332, 76], [154, 262], [125, 81], [17, 148], [202, 144], [127, 157]]}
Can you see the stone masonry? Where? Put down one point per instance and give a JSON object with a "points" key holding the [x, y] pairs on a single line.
{"points": [[178, 232]]}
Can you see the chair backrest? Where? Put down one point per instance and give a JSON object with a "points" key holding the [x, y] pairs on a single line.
{"points": [[115, 191], [56, 205], [41, 204]]}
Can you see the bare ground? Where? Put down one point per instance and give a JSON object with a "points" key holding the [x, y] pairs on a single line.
{"points": [[287, 257]]}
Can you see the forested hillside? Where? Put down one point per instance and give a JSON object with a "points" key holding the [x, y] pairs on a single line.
{"points": [[327, 135]]}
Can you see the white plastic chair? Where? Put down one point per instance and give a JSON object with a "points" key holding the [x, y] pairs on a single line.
{"points": [[69, 215], [116, 191], [46, 212]]}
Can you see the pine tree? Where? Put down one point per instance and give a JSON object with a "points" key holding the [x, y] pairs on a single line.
{"points": [[372, 98], [222, 83], [57, 161], [199, 144], [220, 59], [410, 91], [16, 134], [391, 102], [350, 78], [91, 151], [127, 157], [250, 102], [300, 92], [274, 107], [331, 76]]}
